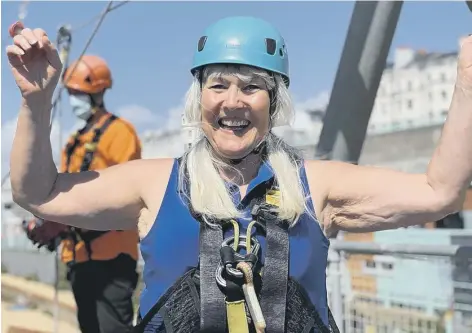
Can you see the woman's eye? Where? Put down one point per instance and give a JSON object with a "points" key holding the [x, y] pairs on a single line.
{"points": [[251, 87], [217, 86]]}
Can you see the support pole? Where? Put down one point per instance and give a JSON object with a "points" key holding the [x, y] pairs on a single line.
{"points": [[64, 40], [363, 60]]}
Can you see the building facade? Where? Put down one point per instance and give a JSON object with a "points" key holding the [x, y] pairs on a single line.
{"points": [[415, 91]]}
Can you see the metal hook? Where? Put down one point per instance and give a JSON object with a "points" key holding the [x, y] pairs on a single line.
{"points": [[238, 258]]}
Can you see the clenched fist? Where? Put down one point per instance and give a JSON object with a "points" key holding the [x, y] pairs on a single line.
{"points": [[35, 64]]}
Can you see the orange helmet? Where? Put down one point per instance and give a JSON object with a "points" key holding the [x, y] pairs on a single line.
{"points": [[91, 75]]}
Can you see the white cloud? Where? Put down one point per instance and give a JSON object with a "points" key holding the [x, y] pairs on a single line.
{"points": [[303, 129], [159, 132], [138, 115], [174, 118], [146, 120], [317, 102], [8, 133]]}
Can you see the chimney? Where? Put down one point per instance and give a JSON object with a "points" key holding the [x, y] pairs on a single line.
{"points": [[403, 56]]}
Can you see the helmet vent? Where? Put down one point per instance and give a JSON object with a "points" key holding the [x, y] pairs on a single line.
{"points": [[270, 45], [201, 43], [282, 51]]}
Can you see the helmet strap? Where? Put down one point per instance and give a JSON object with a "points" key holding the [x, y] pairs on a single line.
{"points": [[95, 106], [261, 148]]}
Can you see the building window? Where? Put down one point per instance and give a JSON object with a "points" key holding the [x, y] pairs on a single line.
{"points": [[409, 104], [444, 94], [443, 77], [430, 96], [387, 265], [370, 263]]}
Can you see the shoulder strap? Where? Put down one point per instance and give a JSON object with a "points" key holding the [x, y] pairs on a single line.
{"points": [[70, 148], [276, 262], [91, 147], [212, 302]]}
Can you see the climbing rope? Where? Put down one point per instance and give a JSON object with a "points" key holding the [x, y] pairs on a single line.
{"points": [[101, 17], [241, 266]]}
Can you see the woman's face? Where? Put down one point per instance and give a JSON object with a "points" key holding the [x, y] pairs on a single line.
{"points": [[235, 114]]}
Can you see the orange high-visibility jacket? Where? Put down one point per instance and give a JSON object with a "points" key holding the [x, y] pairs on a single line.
{"points": [[117, 143]]}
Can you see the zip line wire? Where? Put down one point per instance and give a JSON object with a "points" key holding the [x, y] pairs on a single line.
{"points": [[96, 17], [87, 44], [100, 18], [22, 13]]}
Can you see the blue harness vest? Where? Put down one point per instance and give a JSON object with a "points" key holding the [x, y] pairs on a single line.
{"points": [[172, 246]]}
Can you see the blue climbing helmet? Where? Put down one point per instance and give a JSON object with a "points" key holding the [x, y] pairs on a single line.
{"points": [[242, 40]]}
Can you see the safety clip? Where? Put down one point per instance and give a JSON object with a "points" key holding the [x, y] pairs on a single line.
{"points": [[230, 258]]}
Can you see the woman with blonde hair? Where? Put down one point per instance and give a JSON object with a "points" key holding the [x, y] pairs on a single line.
{"points": [[234, 234]]}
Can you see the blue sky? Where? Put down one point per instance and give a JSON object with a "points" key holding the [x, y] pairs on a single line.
{"points": [[148, 45]]}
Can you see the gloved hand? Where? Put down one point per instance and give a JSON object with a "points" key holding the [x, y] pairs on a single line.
{"points": [[44, 233]]}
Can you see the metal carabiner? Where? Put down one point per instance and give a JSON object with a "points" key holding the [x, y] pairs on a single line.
{"points": [[238, 258], [242, 244]]}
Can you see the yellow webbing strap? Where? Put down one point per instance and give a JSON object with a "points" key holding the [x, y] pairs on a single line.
{"points": [[237, 320]]}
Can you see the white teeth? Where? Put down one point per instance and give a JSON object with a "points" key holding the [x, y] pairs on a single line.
{"points": [[234, 122]]}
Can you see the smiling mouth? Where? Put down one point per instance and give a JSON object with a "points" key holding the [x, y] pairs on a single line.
{"points": [[233, 124]]}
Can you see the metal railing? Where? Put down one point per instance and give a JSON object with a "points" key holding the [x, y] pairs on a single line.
{"points": [[400, 288]]}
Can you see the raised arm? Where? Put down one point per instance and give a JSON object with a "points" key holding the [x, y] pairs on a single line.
{"points": [[359, 198], [108, 199]]}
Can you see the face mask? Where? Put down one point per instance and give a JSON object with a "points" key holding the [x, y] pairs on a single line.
{"points": [[81, 106]]}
